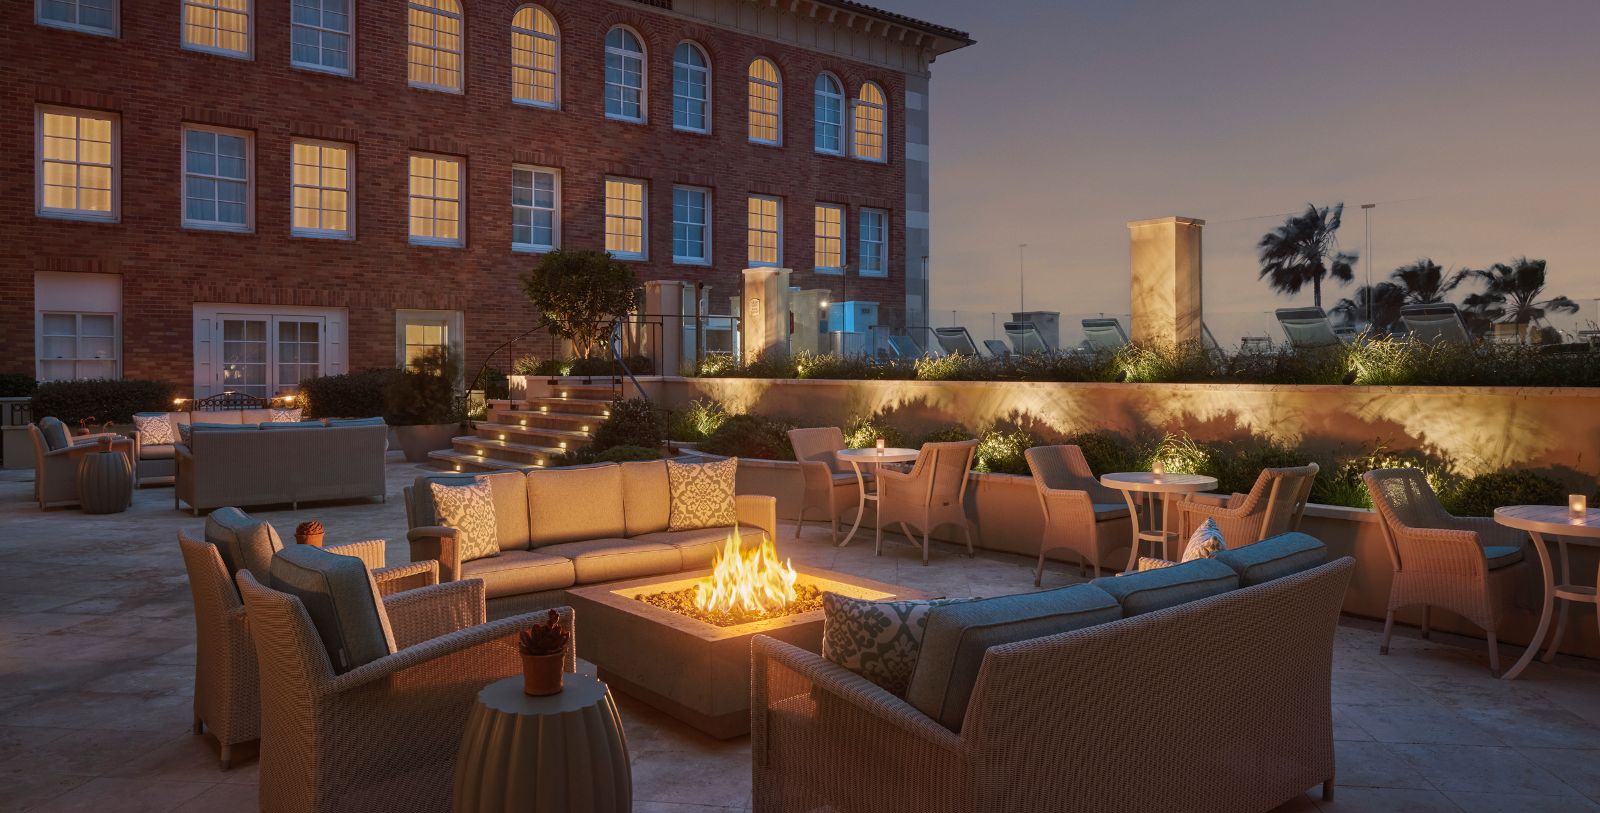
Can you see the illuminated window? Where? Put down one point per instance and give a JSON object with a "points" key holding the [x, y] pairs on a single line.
{"points": [[322, 184], [691, 225], [764, 232], [76, 171], [433, 29], [624, 76], [830, 115], [535, 209], [77, 346], [219, 26], [766, 100], [319, 37], [535, 58], [829, 228], [436, 216], [216, 179], [691, 88], [92, 16], [423, 338], [874, 237], [625, 218], [869, 124]]}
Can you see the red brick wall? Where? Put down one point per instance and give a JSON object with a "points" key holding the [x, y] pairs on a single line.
{"points": [[155, 86]]}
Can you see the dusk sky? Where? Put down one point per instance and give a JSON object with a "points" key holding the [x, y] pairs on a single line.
{"points": [[1474, 125]]}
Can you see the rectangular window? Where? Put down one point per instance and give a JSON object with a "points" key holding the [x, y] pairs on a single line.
{"points": [[91, 16], [419, 333], [829, 229], [765, 230], [76, 169], [874, 243], [75, 346], [299, 351], [436, 216], [216, 179], [218, 26], [423, 338], [691, 225], [322, 184], [625, 218], [319, 37], [535, 209]]}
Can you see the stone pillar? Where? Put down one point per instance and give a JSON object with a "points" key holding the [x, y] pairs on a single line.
{"points": [[1165, 255], [663, 300], [809, 330], [765, 310]]}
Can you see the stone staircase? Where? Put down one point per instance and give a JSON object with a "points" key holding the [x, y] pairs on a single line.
{"points": [[530, 433]]}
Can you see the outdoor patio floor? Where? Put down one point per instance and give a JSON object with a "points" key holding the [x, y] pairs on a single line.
{"points": [[97, 660]]}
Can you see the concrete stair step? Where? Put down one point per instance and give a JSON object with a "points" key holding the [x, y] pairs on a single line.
{"points": [[514, 417], [453, 460], [508, 450], [503, 431]]}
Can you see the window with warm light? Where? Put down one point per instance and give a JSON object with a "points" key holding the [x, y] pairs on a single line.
{"points": [[75, 346], [322, 179], [829, 115], [766, 103], [874, 243], [217, 26], [76, 164], [624, 76], [691, 225], [535, 208], [691, 89], [535, 58], [829, 228], [870, 121], [625, 218], [216, 179], [319, 35], [423, 338], [91, 16], [433, 31], [436, 211], [764, 230]]}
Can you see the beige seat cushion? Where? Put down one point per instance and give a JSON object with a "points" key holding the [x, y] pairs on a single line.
{"points": [[161, 452], [699, 547], [646, 497], [510, 504], [515, 572], [253, 415], [575, 503], [235, 416], [605, 560]]}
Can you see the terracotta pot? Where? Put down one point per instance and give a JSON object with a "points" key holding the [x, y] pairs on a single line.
{"points": [[312, 539], [541, 674]]}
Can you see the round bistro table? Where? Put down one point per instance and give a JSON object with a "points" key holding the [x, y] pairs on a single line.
{"points": [[562, 753], [871, 458], [1147, 485], [1557, 521]]}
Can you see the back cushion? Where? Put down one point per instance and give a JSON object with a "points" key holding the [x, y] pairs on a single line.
{"points": [[276, 425], [55, 433], [509, 491], [356, 422], [246, 543], [1151, 590], [574, 504], [1274, 557], [342, 600], [253, 415], [959, 634], [233, 416], [646, 497]]}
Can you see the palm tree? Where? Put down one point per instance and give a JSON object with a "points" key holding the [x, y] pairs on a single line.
{"points": [[1514, 293], [1380, 304], [1303, 251], [1424, 282]]}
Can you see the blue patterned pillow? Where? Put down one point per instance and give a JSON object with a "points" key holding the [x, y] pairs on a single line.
{"points": [[878, 640], [1205, 543]]}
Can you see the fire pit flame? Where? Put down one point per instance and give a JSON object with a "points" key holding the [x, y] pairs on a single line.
{"points": [[741, 582]]}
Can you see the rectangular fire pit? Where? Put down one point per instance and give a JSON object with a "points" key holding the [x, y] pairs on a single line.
{"points": [[692, 670]]}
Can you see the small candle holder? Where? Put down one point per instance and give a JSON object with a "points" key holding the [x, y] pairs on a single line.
{"points": [[880, 445], [1158, 468], [1577, 505]]}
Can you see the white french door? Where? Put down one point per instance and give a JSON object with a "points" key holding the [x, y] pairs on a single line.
{"points": [[264, 354]]}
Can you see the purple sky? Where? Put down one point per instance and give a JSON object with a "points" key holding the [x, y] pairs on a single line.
{"points": [[1474, 125]]}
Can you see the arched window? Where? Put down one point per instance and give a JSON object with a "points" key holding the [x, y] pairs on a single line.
{"points": [[830, 115], [624, 76], [535, 58], [870, 122], [433, 30], [691, 88], [766, 103]]}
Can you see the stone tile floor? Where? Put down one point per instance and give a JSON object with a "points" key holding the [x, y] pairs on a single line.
{"points": [[97, 658]]}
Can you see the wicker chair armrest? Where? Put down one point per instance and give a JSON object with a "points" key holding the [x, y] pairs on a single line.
{"points": [[1214, 500], [91, 439], [369, 551], [429, 612], [1447, 550], [409, 576], [1490, 532], [1067, 505], [436, 542], [485, 651], [816, 474], [181, 451], [759, 510], [890, 478]]}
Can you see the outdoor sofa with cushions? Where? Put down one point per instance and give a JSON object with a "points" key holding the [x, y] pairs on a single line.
{"points": [[157, 460], [1210, 693], [247, 465], [56, 455], [578, 525]]}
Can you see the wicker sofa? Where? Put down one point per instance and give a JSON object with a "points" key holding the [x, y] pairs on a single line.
{"points": [[157, 462], [574, 526], [247, 465], [1218, 702]]}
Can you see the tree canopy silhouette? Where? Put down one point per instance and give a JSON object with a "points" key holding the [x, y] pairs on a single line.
{"points": [[1304, 251], [1514, 292]]}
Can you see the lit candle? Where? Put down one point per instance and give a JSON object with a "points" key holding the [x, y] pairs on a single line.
{"points": [[880, 445], [1158, 468], [1577, 505]]}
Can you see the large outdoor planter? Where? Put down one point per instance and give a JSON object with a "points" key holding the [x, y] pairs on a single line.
{"points": [[418, 441]]}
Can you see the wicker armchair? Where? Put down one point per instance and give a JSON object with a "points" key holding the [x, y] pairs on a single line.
{"points": [[55, 471], [831, 486], [932, 494], [1468, 565], [227, 699], [1074, 503], [1274, 505], [383, 736]]}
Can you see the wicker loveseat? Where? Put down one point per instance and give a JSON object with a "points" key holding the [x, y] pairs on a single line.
{"points": [[247, 465], [157, 462], [571, 526]]}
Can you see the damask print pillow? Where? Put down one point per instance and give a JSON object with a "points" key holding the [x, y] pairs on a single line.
{"points": [[1151, 563], [1205, 542], [468, 508], [155, 430], [284, 415], [702, 494], [878, 640]]}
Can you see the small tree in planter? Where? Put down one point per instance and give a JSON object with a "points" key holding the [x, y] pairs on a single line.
{"points": [[582, 295], [423, 405]]}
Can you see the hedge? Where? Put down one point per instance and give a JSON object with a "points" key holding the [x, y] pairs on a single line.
{"points": [[100, 400]]}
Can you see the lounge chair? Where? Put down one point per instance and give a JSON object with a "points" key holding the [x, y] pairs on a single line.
{"points": [[1435, 322], [1307, 328], [1026, 338], [996, 348], [904, 347], [1104, 335], [956, 341]]}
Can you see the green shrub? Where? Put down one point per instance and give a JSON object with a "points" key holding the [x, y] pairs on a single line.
{"points": [[358, 394], [16, 385], [1003, 451], [634, 422], [424, 393], [697, 421], [956, 368], [627, 454], [840, 367], [1478, 496], [864, 432], [581, 456], [1108, 452], [493, 383], [1156, 363], [751, 436], [717, 365], [102, 400], [954, 432]]}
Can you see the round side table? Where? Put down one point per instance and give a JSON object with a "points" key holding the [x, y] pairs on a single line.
{"points": [[1150, 484], [874, 458], [564, 753], [1556, 521]]}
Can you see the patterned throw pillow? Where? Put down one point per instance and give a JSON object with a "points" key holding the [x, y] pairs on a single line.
{"points": [[878, 640], [156, 430], [1152, 563], [469, 509], [183, 432], [1205, 542], [284, 415], [702, 494]]}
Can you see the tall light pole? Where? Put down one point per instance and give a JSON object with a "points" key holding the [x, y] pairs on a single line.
{"points": [[1022, 284], [1366, 210]]}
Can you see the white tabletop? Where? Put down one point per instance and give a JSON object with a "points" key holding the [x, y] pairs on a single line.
{"points": [[1159, 483], [1550, 519], [876, 455]]}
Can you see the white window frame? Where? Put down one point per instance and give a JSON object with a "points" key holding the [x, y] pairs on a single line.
{"points": [[77, 357], [460, 240], [40, 209], [349, 34], [883, 132], [209, 350], [555, 210], [643, 55], [751, 112], [349, 231], [861, 240], [644, 218], [817, 236], [838, 99], [705, 74], [532, 68], [249, 51], [751, 231], [451, 321], [460, 16], [705, 241], [77, 5], [249, 223]]}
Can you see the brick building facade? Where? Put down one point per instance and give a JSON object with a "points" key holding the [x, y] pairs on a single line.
{"points": [[190, 304]]}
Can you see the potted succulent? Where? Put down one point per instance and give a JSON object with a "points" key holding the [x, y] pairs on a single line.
{"points": [[309, 533], [543, 647], [423, 404]]}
